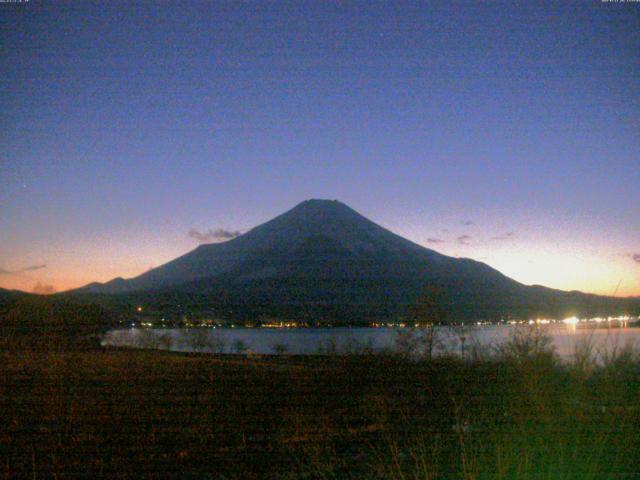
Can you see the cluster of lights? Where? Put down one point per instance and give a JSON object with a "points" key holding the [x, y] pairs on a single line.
{"points": [[574, 320], [538, 321], [391, 325], [280, 325], [571, 320], [205, 325]]}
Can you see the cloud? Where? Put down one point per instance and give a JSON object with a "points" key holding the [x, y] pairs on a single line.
{"points": [[504, 236], [33, 267], [212, 236], [435, 240], [467, 223], [464, 239], [30, 268], [635, 257], [42, 289]]}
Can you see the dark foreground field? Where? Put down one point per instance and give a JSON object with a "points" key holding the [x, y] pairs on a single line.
{"points": [[143, 414]]}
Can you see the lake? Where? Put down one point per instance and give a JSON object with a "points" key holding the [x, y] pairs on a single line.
{"points": [[311, 341]]}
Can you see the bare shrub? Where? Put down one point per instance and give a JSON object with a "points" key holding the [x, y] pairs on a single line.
{"points": [[240, 346], [280, 348], [217, 343], [407, 342], [476, 351], [147, 338], [431, 341], [414, 457], [423, 342], [197, 339], [328, 346], [584, 359], [456, 339], [353, 346], [165, 341], [613, 355], [527, 343]]}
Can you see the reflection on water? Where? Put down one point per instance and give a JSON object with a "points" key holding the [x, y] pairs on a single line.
{"points": [[566, 339]]}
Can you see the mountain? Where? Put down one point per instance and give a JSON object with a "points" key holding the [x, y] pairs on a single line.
{"points": [[10, 294], [8, 297], [323, 260]]}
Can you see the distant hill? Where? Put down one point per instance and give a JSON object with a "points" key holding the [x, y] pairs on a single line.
{"points": [[5, 293], [323, 260], [37, 322], [9, 296]]}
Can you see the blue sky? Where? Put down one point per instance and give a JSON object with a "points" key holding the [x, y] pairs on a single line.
{"points": [[124, 126]]}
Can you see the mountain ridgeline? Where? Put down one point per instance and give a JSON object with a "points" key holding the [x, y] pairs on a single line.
{"points": [[323, 262]]}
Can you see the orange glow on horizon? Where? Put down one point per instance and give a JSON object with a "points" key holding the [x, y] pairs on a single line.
{"points": [[562, 273]]}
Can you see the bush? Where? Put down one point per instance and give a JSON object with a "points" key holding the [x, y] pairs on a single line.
{"points": [[197, 339], [353, 346], [147, 338], [421, 342], [327, 347], [279, 348], [240, 346], [525, 344], [584, 358], [165, 341]]}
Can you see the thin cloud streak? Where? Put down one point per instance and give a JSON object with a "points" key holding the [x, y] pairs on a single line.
{"points": [[30, 268], [213, 236], [504, 236], [464, 239], [34, 267]]}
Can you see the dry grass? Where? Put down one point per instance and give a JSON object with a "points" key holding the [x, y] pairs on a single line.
{"points": [[156, 414]]}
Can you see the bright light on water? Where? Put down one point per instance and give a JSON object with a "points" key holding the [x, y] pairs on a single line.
{"points": [[571, 320]]}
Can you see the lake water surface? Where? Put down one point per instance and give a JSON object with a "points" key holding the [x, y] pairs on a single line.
{"points": [[311, 341]]}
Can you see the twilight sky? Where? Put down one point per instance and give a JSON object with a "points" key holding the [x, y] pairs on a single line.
{"points": [[501, 131]]}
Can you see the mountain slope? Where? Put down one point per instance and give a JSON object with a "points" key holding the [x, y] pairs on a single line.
{"points": [[324, 260], [9, 297], [274, 242]]}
